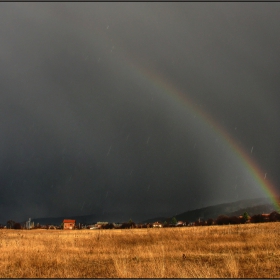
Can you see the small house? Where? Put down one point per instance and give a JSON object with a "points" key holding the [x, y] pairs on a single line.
{"points": [[101, 224], [68, 224], [157, 224], [265, 217]]}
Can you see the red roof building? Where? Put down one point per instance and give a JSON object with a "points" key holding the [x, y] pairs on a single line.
{"points": [[68, 224]]}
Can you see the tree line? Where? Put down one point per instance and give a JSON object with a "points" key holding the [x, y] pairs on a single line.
{"points": [[245, 218], [220, 220]]}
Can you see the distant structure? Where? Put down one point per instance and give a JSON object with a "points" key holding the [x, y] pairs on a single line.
{"points": [[100, 224], [180, 224], [157, 225], [51, 227], [68, 224], [28, 224]]}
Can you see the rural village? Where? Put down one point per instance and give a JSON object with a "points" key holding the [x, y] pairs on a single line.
{"points": [[70, 224]]}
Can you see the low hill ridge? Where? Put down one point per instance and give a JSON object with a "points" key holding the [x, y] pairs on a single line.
{"points": [[251, 206]]}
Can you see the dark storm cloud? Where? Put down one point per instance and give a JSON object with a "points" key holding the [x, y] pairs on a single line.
{"points": [[86, 130]]}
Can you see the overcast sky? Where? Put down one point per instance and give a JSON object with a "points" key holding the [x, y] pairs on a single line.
{"points": [[90, 117]]}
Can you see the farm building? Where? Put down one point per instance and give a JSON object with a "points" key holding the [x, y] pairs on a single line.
{"points": [[157, 225], [100, 224], [68, 224], [180, 224]]}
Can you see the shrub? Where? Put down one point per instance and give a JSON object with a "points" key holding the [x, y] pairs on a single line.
{"points": [[246, 216], [234, 220], [257, 219], [274, 216], [128, 225], [222, 220], [17, 226], [174, 221], [210, 222]]}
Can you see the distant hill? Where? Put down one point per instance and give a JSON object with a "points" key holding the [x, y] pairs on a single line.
{"points": [[251, 206]]}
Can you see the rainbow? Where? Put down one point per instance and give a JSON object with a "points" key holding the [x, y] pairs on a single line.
{"points": [[242, 156], [128, 63]]}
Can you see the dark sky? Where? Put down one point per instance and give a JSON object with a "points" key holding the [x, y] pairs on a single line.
{"points": [[86, 127]]}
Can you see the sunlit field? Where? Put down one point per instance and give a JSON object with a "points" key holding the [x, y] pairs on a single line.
{"points": [[250, 250]]}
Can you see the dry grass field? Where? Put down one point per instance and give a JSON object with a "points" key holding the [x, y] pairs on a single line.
{"points": [[243, 251]]}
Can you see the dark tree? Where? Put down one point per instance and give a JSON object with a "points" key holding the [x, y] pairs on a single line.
{"points": [[210, 222], [17, 226], [241, 220], [222, 220], [200, 223], [10, 224], [274, 216], [174, 221], [257, 219], [111, 226], [203, 222], [234, 220], [246, 216], [128, 225]]}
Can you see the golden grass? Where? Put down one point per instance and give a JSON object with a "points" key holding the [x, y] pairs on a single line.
{"points": [[234, 251]]}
